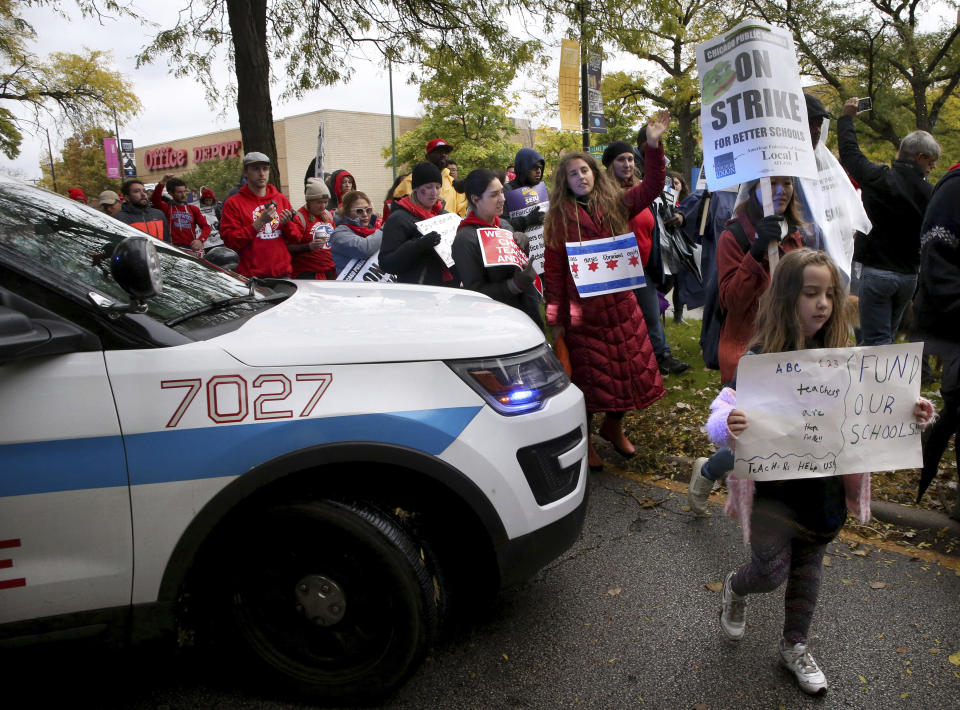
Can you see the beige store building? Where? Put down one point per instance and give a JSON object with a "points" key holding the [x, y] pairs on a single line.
{"points": [[353, 141]]}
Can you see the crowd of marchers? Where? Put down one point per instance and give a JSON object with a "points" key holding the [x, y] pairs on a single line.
{"points": [[614, 345]]}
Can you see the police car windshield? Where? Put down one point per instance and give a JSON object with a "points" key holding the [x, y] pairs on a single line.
{"points": [[68, 245]]}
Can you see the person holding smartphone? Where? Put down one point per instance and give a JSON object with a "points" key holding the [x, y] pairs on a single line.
{"points": [[895, 199], [257, 222]]}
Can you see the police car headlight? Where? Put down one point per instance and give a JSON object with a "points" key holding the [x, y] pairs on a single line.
{"points": [[514, 384]]}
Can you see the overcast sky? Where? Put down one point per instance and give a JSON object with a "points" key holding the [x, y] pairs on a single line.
{"points": [[175, 108]]}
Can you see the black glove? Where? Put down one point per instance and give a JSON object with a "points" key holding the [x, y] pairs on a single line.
{"points": [[535, 218], [768, 232], [525, 277], [429, 240]]}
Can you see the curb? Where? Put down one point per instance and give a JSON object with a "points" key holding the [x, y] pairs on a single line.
{"points": [[898, 514]]}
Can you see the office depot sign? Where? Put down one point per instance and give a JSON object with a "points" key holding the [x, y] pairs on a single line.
{"points": [[169, 157], [218, 151], [166, 157]]}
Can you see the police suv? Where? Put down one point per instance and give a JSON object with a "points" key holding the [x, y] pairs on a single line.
{"points": [[320, 472]]}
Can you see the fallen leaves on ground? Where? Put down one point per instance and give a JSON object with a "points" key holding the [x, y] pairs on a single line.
{"points": [[714, 586]]}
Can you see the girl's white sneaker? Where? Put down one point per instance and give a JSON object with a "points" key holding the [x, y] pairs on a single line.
{"points": [[796, 658]]}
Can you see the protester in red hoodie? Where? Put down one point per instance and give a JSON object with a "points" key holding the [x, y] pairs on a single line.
{"points": [[256, 222], [183, 218], [312, 258], [340, 183]]}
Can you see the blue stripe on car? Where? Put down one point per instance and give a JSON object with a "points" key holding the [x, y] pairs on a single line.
{"points": [[188, 454]]}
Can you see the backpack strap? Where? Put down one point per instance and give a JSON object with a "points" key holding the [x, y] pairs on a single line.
{"points": [[303, 221], [736, 229]]}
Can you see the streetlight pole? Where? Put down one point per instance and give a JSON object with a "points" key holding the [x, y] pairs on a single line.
{"points": [[393, 130], [584, 6]]}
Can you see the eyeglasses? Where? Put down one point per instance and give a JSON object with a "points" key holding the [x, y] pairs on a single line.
{"points": [[362, 210]]}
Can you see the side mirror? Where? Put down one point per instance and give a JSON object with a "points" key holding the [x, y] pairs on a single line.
{"points": [[135, 267]]}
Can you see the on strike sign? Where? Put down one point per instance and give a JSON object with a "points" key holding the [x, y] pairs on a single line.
{"points": [[754, 118], [499, 248]]}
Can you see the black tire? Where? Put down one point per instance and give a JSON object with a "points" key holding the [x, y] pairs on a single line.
{"points": [[389, 611]]}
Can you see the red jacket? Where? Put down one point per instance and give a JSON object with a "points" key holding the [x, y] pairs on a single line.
{"points": [[316, 261], [183, 219], [741, 280], [610, 352], [262, 253]]}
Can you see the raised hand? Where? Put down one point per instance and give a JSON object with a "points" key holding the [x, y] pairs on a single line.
{"points": [[657, 127]]}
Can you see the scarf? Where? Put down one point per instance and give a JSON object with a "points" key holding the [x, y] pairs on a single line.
{"points": [[357, 229], [472, 220], [417, 210]]}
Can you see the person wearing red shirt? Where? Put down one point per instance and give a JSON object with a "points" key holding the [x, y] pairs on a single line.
{"points": [[312, 259], [257, 222], [183, 218]]}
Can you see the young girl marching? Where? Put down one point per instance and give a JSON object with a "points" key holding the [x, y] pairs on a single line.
{"points": [[789, 523]]}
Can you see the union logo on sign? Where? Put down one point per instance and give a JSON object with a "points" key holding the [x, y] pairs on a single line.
{"points": [[724, 164]]}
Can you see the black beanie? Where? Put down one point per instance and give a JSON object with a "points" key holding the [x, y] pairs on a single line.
{"points": [[613, 150], [815, 108], [424, 173]]}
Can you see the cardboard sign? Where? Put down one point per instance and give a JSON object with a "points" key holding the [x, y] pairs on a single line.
{"points": [[523, 201], [446, 226], [754, 120], [365, 270], [605, 265], [499, 248], [825, 412]]}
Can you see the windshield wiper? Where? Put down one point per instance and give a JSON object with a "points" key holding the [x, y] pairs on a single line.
{"points": [[219, 303]]}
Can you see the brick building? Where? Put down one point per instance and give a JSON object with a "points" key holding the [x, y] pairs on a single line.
{"points": [[353, 141]]}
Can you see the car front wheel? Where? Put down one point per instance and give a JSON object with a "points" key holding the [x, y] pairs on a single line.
{"points": [[332, 597]]}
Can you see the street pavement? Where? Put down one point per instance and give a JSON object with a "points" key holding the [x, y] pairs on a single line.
{"points": [[625, 620]]}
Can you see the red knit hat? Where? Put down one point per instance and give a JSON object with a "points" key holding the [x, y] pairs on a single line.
{"points": [[75, 193], [207, 194]]}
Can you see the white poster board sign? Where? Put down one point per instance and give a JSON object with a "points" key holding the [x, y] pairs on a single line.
{"points": [[446, 226], [754, 116], [813, 413], [365, 270]]}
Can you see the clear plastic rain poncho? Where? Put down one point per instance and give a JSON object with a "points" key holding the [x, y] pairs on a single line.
{"points": [[829, 208]]}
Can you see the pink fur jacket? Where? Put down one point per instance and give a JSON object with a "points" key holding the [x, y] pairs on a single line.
{"points": [[740, 500]]}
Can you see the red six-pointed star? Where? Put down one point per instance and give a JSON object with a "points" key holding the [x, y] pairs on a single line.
{"points": [[612, 263], [594, 266], [634, 260], [575, 268]]}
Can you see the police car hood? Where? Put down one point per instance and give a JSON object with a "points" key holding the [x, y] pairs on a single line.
{"points": [[343, 322]]}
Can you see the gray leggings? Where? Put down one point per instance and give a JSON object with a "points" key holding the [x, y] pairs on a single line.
{"points": [[778, 553]]}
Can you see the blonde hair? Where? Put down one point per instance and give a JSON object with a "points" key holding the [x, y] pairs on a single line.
{"points": [[778, 322], [605, 201]]}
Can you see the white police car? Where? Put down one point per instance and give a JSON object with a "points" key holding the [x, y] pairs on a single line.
{"points": [[325, 470]]}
